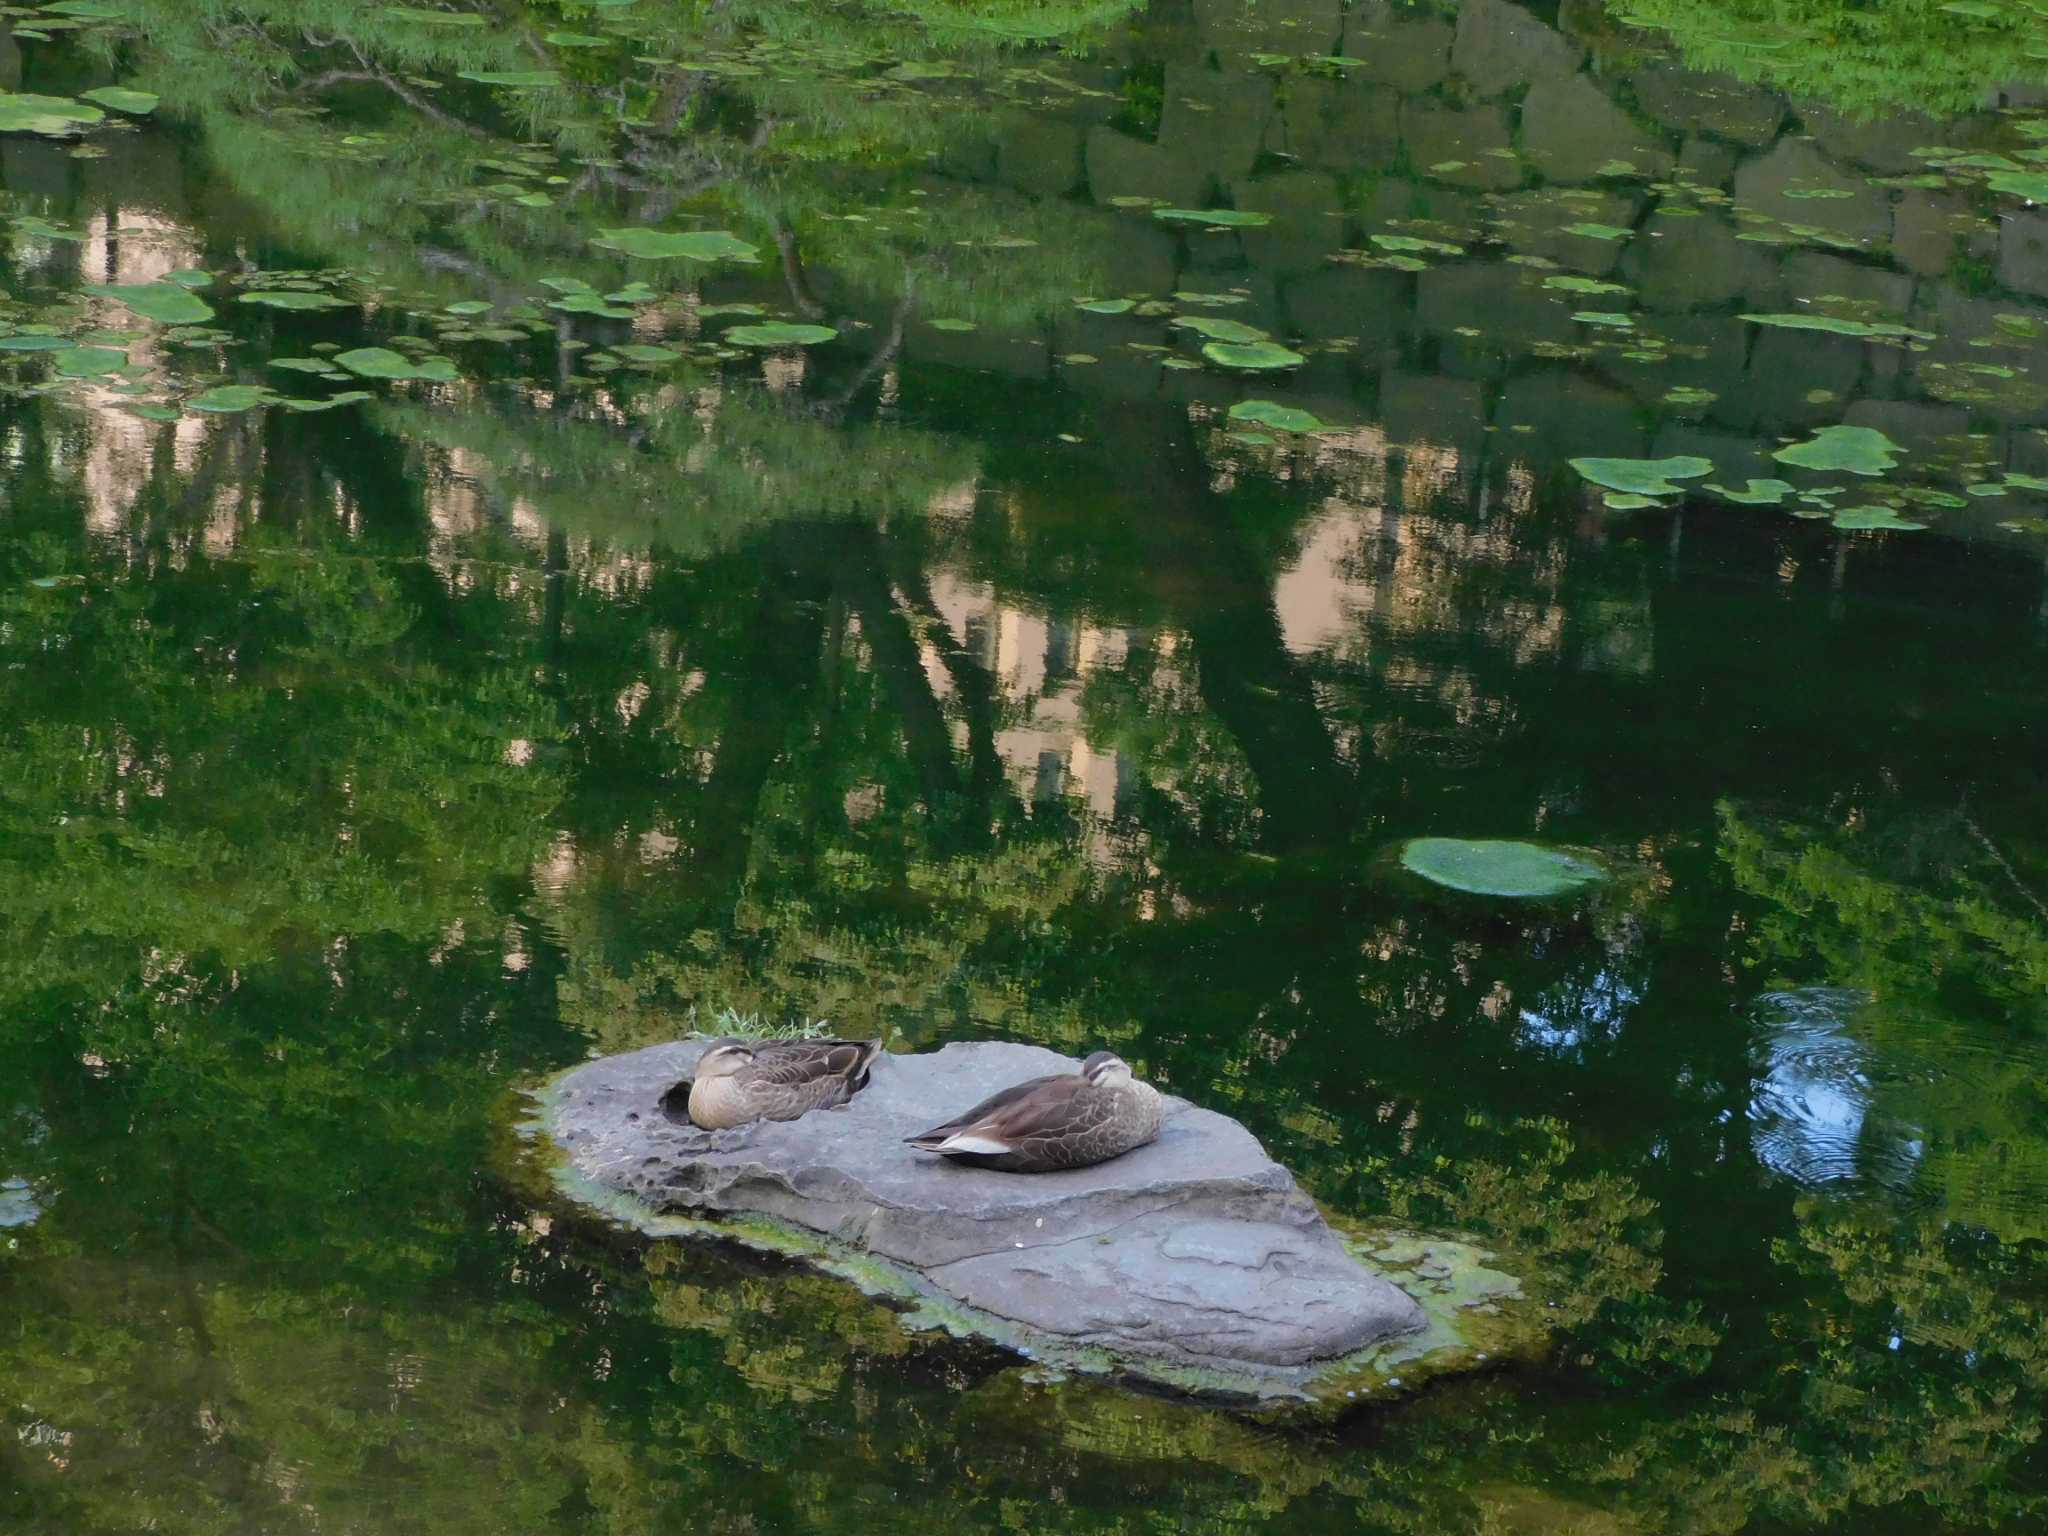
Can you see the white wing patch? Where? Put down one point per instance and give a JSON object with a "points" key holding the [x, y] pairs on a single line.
{"points": [[986, 1145]]}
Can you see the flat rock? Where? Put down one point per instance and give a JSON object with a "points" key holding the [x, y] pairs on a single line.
{"points": [[1196, 1253]]}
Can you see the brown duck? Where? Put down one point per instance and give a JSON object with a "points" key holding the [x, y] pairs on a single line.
{"points": [[739, 1081], [1050, 1123]]}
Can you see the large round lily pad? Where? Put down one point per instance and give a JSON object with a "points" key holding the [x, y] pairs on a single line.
{"points": [[779, 333], [52, 115], [1644, 477], [1859, 450], [1270, 413], [1255, 355], [1488, 867], [170, 303]]}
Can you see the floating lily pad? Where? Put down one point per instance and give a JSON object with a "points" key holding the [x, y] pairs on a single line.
{"points": [[2031, 185], [1255, 355], [1270, 413], [779, 333], [1221, 218], [166, 302], [692, 245], [1838, 327], [633, 293], [121, 99], [383, 363], [1592, 231], [1860, 518], [35, 343], [1570, 284], [328, 403], [1105, 306], [518, 79], [224, 399], [88, 362], [469, 307], [577, 40], [1605, 317], [1644, 477], [647, 352], [1499, 868], [189, 277], [950, 324], [1859, 450], [1628, 501], [1758, 493], [1221, 330], [293, 298], [590, 304], [427, 18], [318, 365], [1417, 244], [54, 116], [2025, 482]]}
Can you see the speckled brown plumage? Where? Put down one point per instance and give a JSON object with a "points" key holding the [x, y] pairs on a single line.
{"points": [[777, 1079], [1052, 1123]]}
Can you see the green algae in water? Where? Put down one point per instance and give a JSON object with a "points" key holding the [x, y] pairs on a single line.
{"points": [[1487, 867], [1644, 477], [1857, 450]]}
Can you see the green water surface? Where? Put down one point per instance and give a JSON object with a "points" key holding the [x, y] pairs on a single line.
{"points": [[524, 527]]}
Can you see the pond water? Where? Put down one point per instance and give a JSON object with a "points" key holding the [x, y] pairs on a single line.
{"points": [[528, 530]]}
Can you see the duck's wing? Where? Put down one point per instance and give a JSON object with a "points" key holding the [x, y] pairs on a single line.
{"points": [[1041, 1110], [793, 1063]]}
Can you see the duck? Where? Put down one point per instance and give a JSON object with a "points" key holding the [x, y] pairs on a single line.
{"points": [[1071, 1120], [739, 1081]]}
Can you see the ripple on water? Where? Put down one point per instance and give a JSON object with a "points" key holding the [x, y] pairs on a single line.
{"points": [[1813, 1113]]}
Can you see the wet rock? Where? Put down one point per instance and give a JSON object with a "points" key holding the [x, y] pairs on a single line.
{"points": [[1813, 275], [1541, 223], [2023, 252], [1305, 229], [1373, 305], [1554, 414], [1796, 184], [1504, 303], [1197, 1252], [1709, 103], [1121, 166], [1883, 144], [1572, 131], [1677, 263], [1499, 46], [1409, 53], [1800, 378], [1039, 155], [1464, 147], [1929, 230], [1214, 120], [1706, 163]]}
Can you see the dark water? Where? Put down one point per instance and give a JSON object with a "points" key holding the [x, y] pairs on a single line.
{"points": [[971, 672]]}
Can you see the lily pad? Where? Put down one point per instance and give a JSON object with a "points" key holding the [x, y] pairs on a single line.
{"points": [[1220, 218], [1644, 477], [427, 18], [1838, 327], [383, 363], [590, 304], [1628, 501], [50, 115], [647, 352], [329, 403], [1499, 868], [1222, 330], [224, 399], [779, 333], [1592, 231], [169, 303], [35, 343], [469, 307], [1859, 450], [692, 245], [1105, 306], [1255, 355], [121, 99], [948, 323], [518, 79], [2031, 185], [1758, 493], [1270, 413], [293, 298], [88, 362], [1860, 518], [1606, 317]]}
